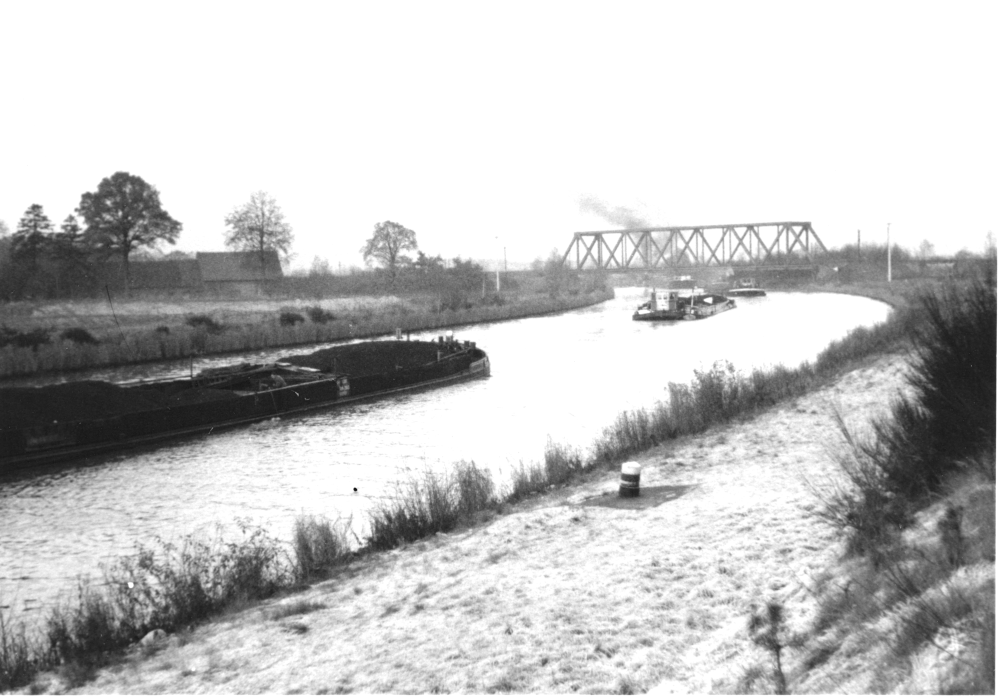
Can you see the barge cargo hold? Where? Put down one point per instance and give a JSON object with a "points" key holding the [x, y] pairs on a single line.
{"points": [[40, 425], [682, 304]]}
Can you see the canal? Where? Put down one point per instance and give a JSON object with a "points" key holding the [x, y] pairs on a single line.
{"points": [[561, 377]]}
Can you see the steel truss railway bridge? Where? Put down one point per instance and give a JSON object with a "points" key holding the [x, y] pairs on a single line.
{"points": [[767, 245]]}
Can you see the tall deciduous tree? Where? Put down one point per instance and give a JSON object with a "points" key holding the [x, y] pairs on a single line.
{"points": [[32, 238], [386, 247], [125, 214], [259, 226]]}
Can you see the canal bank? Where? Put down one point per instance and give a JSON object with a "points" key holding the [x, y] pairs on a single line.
{"points": [[565, 593], [666, 494]]}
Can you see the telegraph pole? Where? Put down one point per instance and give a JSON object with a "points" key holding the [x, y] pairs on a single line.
{"points": [[888, 250]]}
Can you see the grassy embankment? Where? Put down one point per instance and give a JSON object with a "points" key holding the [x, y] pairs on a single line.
{"points": [[74, 336], [913, 600], [172, 587]]}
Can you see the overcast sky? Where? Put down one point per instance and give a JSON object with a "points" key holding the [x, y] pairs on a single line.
{"points": [[481, 125]]}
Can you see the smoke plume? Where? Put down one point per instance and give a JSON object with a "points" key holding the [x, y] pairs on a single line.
{"points": [[616, 216]]}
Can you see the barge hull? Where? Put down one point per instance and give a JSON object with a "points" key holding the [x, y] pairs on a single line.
{"points": [[86, 438]]}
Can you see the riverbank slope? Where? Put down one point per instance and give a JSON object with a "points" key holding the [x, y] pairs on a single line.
{"points": [[573, 591]]}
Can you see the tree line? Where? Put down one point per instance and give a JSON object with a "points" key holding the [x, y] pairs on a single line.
{"points": [[121, 219], [124, 219]]}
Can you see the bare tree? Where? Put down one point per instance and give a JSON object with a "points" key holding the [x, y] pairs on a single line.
{"points": [[259, 226]]}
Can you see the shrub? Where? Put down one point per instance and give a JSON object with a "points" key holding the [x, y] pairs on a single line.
{"points": [[949, 421], [955, 381], [319, 316], [767, 630], [78, 335], [31, 339], [203, 322], [290, 319], [163, 330]]}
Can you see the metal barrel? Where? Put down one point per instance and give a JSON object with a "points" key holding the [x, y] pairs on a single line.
{"points": [[629, 485]]}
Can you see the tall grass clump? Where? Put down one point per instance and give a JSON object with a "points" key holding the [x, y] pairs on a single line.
{"points": [[182, 583], [525, 481], [91, 625], [437, 503], [17, 655], [318, 546], [713, 396], [166, 587], [861, 342], [561, 462], [474, 488]]}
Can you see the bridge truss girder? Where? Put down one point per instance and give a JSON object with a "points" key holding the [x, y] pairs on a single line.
{"points": [[763, 244]]}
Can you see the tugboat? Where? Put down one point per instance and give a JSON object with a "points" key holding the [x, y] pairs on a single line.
{"points": [[682, 304], [746, 288]]}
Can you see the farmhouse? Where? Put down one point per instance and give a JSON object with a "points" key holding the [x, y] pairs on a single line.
{"points": [[219, 273], [239, 273]]}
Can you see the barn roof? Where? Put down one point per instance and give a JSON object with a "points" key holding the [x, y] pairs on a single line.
{"points": [[169, 273], [239, 266]]}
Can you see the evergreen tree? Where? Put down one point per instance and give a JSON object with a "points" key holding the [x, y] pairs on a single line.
{"points": [[32, 239], [71, 253]]}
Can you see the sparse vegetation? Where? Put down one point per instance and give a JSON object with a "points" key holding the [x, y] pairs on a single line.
{"points": [[721, 394], [317, 315], [943, 584], [139, 334], [203, 322], [290, 319], [933, 457], [78, 335]]}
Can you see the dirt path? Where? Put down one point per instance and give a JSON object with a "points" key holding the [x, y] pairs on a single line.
{"points": [[570, 592]]}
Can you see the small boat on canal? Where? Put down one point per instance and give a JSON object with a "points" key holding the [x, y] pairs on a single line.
{"points": [[682, 304], [40, 425], [746, 288]]}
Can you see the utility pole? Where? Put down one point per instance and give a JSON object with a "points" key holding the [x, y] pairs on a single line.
{"points": [[859, 245], [497, 239], [888, 250]]}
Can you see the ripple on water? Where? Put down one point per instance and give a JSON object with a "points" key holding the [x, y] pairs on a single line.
{"points": [[565, 377]]}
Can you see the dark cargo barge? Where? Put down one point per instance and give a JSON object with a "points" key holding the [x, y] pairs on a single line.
{"points": [[40, 425]]}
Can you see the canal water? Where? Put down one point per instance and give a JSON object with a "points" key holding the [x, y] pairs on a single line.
{"points": [[560, 377]]}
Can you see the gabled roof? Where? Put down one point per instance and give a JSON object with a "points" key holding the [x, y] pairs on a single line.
{"points": [[239, 266], [170, 273], [162, 273]]}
